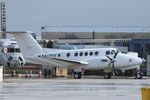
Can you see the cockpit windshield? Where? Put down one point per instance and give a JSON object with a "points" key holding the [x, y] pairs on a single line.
{"points": [[12, 50], [112, 51], [115, 51]]}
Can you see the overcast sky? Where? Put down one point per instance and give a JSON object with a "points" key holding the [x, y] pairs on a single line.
{"points": [[32, 14]]}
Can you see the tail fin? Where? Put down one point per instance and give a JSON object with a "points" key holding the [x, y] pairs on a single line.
{"points": [[27, 44]]}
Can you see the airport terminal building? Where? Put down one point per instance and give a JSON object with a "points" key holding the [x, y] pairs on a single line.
{"points": [[74, 32], [138, 38]]}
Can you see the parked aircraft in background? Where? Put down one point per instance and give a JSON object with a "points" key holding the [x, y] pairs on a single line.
{"points": [[10, 54], [108, 59]]}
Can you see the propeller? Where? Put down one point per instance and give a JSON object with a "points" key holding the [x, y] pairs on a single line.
{"points": [[112, 61]]}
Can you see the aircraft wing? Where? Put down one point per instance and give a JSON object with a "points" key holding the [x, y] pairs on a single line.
{"points": [[69, 61]]}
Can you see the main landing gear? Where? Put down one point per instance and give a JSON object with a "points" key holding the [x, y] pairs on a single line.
{"points": [[77, 75], [108, 75]]}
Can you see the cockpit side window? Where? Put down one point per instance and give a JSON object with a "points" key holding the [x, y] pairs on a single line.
{"points": [[17, 50], [11, 50], [118, 51], [113, 52]]}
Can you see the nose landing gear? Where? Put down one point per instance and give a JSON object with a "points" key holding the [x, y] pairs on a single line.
{"points": [[138, 74]]}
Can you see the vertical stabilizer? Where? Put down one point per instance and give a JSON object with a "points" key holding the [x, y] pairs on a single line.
{"points": [[27, 44]]}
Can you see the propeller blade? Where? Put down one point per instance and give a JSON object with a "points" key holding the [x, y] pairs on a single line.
{"points": [[112, 61], [116, 54], [109, 58], [113, 68]]}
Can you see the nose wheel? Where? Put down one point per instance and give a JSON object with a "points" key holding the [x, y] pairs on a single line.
{"points": [[138, 75]]}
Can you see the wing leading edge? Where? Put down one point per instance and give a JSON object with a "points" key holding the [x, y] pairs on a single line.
{"points": [[70, 61]]}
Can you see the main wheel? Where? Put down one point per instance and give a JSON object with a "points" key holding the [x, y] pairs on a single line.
{"points": [[77, 75], [107, 76], [138, 75]]}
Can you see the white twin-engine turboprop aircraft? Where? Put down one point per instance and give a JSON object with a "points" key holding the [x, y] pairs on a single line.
{"points": [[108, 59]]}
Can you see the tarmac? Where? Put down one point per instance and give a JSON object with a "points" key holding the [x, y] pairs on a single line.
{"points": [[72, 89]]}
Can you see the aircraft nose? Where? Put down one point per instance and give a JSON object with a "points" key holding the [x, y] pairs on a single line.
{"points": [[15, 62]]}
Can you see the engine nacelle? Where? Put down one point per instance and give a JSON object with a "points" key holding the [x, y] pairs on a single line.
{"points": [[15, 62], [95, 63]]}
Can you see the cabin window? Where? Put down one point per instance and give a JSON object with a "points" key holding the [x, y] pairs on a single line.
{"points": [[107, 52], [17, 50], [39, 55], [76, 54], [68, 54], [58, 55], [96, 53], [44, 56], [81, 53], [91, 53], [86, 53]]}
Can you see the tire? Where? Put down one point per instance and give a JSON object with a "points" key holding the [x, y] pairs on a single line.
{"points": [[107, 76], [77, 75], [138, 75]]}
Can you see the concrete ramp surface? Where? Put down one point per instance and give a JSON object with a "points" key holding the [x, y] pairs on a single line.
{"points": [[71, 89]]}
